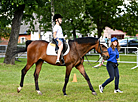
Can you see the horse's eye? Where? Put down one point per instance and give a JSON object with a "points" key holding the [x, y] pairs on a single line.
{"points": [[103, 46]]}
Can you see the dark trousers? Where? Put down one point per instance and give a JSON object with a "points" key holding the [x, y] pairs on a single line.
{"points": [[113, 72]]}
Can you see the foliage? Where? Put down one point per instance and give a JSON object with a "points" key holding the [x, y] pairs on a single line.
{"points": [[8, 9], [103, 13], [127, 21], [44, 16], [5, 32]]}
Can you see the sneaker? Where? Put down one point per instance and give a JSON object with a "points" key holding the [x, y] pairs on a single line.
{"points": [[101, 88], [118, 90], [57, 61]]}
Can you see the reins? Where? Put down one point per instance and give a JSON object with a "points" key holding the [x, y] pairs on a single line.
{"points": [[98, 59], [90, 63]]}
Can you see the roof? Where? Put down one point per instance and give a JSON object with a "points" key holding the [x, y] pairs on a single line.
{"points": [[108, 32], [111, 31]]}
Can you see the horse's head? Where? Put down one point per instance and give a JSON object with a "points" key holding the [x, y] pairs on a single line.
{"points": [[87, 43], [102, 49]]}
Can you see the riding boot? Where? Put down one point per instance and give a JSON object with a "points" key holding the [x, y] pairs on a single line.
{"points": [[62, 59]]}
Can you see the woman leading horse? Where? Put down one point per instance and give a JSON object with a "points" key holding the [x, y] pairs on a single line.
{"points": [[36, 54]]}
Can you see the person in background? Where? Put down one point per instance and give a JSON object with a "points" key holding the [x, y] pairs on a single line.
{"points": [[112, 66], [106, 41]]}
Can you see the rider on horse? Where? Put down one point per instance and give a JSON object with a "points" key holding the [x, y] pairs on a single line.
{"points": [[58, 34]]}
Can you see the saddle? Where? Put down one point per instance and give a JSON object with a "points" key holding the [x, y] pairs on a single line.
{"points": [[52, 49]]}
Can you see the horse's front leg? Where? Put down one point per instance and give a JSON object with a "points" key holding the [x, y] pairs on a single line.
{"points": [[82, 71], [68, 70]]}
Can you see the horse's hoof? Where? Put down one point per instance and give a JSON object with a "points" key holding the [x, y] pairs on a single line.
{"points": [[39, 92], [65, 94], [94, 93], [19, 89]]}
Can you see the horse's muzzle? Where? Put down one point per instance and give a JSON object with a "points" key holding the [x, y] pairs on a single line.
{"points": [[105, 57]]}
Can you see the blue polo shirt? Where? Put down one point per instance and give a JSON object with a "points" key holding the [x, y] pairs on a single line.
{"points": [[113, 54]]}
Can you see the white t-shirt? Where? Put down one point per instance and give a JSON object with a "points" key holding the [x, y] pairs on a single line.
{"points": [[58, 29]]}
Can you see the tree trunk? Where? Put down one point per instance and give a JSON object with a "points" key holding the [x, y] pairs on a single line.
{"points": [[12, 45], [99, 32], [99, 28], [74, 33], [52, 14]]}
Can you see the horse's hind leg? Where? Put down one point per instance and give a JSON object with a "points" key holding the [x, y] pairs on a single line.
{"points": [[82, 71], [36, 75], [23, 73]]}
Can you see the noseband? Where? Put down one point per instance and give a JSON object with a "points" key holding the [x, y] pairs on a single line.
{"points": [[101, 49]]}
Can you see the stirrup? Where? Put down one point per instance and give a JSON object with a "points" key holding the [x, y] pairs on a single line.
{"points": [[63, 62]]}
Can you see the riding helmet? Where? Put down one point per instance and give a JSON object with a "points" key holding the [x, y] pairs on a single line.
{"points": [[114, 39], [56, 16]]}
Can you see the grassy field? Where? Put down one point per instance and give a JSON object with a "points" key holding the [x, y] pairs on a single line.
{"points": [[51, 82]]}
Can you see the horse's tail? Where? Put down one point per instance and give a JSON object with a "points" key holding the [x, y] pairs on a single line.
{"points": [[22, 49]]}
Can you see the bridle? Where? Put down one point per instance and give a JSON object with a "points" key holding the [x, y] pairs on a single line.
{"points": [[101, 49], [100, 56]]}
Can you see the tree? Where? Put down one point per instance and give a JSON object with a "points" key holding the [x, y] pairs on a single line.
{"points": [[128, 20], [12, 12], [103, 13]]}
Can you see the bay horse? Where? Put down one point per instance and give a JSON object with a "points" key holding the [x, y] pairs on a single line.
{"points": [[36, 54]]}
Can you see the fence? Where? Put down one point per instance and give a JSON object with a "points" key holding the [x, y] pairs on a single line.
{"points": [[126, 50], [93, 52], [3, 49]]}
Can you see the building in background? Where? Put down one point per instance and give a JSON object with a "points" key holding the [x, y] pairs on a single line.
{"points": [[38, 34], [110, 33]]}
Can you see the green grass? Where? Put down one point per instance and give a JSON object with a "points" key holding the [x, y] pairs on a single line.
{"points": [[51, 82]]}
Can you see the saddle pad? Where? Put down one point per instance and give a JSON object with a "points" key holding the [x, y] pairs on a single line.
{"points": [[51, 50]]}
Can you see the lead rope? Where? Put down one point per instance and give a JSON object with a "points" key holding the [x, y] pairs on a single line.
{"points": [[91, 64], [97, 60]]}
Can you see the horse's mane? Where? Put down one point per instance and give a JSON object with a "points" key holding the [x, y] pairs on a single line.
{"points": [[84, 40]]}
